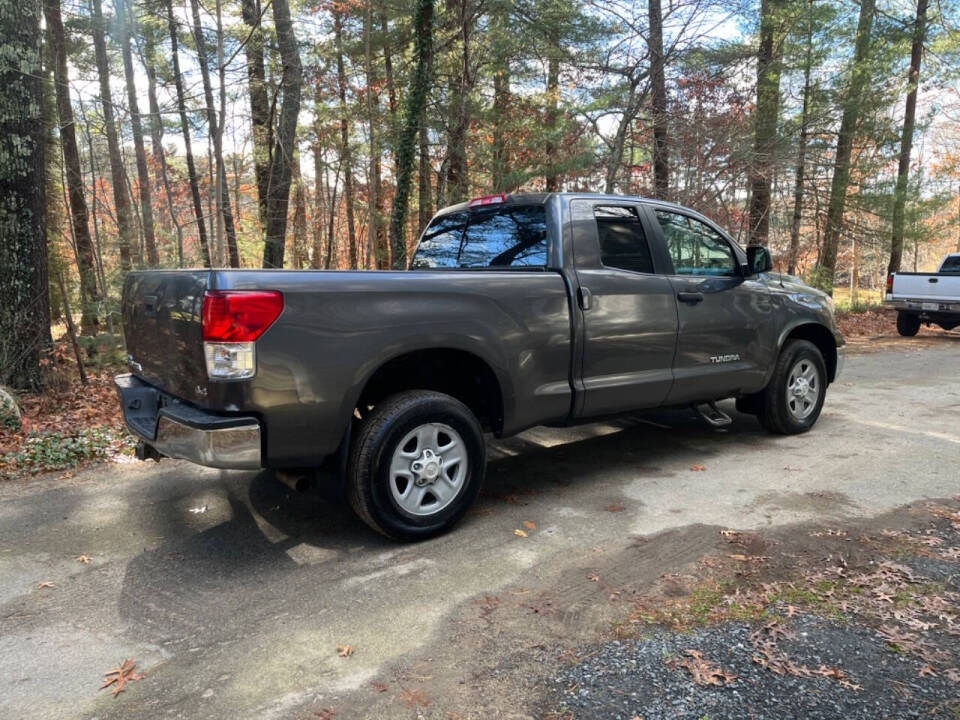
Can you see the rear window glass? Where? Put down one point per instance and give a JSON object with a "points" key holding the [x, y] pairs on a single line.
{"points": [[623, 243], [951, 265], [498, 237]]}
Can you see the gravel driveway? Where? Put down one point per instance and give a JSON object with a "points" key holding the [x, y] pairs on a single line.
{"points": [[238, 598]]}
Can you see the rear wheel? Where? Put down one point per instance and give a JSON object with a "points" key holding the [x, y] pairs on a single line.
{"points": [[793, 399], [416, 465], [908, 324]]}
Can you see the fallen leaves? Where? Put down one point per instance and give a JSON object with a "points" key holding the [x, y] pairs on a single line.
{"points": [[614, 508], [520, 533], [118, 678], [45, 584], [927, 671], [84, 559], [698, 468], [379, 687], [593, 577], [529, 525], [325, 713], [701, 670], [345, 651]]}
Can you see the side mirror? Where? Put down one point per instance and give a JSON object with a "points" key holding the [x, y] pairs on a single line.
{"points": [[758, 260]]}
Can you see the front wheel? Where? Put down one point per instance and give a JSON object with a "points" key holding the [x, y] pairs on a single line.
{"points": [[793, 399], [416, 465], [908, 324]]}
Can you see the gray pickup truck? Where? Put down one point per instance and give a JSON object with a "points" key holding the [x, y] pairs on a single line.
{"points": [[517, 310]]}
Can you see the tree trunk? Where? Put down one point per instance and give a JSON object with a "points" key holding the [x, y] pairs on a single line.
{"points": [[658, 91], [615, 159], [185, 129], [291, 83], [458, 173], [262, 128], [24, 295], [319, 170], [906, 140], [500, 171], [769, 56], [424, 201], [222, 192], [347, 160], [412, 120], [860, 73], [376, 233], [553, 105], [156, 135], [299, 216], [86, 260], [127, 25], [118, 176], [798, 186]]}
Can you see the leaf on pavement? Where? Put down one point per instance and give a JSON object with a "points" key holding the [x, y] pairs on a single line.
{"points": [[593, 577], [120, 676], [325, 713], [42, 585], [344, 650], [703, 671], [84, 559], [928, 671], [698, 468], [379, 687], [529, 525], [520, 533], [615, 508]]}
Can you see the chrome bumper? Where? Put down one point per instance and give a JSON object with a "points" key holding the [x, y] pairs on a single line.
{"points": [[184, 432], [922, 306], [236, 448]]}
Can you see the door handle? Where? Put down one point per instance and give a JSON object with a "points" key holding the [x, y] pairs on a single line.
{"points": [[933, 280], [690, 297], [584, 298]]}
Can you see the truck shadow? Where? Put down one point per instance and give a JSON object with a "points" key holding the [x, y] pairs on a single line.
{"points": [[274, 544]]}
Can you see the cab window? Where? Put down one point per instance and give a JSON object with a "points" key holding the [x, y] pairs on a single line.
{"points": [[694, 247], [623, 244]]}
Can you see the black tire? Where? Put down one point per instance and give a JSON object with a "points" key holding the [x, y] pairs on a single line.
{"points": [[775, 414], [908, 324], [368, 482]]}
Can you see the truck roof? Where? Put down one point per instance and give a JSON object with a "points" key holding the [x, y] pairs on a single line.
{"points": [[539, 198]]}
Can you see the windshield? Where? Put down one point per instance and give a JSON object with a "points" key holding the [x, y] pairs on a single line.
{"points": [[505, 236]]}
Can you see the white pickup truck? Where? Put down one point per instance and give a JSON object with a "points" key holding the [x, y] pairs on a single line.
{"points": [[932, 298]]}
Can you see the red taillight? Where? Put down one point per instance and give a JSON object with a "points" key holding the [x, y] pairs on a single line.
{"points": [[890, 283], [487, 200], [239, 315]]}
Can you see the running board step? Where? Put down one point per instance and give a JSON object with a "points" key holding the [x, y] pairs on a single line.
{"points": [[713, 415]]}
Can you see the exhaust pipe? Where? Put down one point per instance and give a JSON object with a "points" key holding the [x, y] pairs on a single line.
{"points": [[297, 480]]}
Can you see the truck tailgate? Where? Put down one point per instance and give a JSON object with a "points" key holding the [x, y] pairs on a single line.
{"points": [[926, 286], [162, 327]]}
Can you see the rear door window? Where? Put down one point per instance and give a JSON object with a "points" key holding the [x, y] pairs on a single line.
{"points": [[623, 244], [510, 236]]}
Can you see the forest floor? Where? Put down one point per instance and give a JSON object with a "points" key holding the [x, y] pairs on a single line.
{"points": [[622, 569]]}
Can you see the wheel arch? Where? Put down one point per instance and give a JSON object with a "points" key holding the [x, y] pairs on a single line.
{"points": [[818, 334], [459, 373]]}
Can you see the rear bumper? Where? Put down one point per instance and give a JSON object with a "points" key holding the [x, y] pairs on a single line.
{"points": [[182, 431], [918, 305]]}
